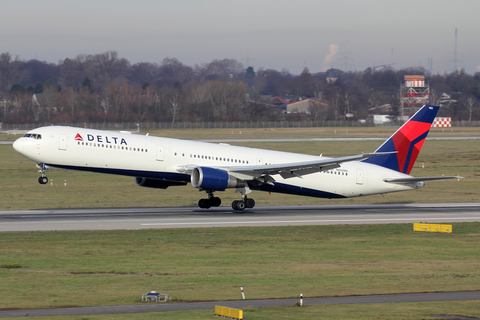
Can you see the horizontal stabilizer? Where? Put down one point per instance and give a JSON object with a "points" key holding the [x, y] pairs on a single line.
{"points": [[419, 179]]}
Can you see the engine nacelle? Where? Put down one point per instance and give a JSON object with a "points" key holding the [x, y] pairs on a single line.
{"points": [[157, 184], [214, 179]]}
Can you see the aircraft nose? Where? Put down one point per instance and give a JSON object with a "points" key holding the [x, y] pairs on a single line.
{"points": [[18, 145]]}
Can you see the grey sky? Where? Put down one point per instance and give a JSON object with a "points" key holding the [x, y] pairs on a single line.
{"points": [[290, 34]]}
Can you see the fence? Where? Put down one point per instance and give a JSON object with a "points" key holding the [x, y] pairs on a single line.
{"points": [[142, 126]]}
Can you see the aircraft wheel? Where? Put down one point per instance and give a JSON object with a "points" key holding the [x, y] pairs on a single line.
{"points": [[238, 205], [249, 203], [43, 180], [204, 203], [216, 202]]}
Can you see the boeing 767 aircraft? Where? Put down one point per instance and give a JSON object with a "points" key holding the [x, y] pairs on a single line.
{"points": [[158, 162]]}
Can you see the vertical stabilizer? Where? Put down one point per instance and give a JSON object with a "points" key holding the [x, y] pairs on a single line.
{"points": [[406, 141]]}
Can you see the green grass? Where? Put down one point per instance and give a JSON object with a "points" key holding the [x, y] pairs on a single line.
{"points": [[116, 267], [388, 311], [18, 180]]}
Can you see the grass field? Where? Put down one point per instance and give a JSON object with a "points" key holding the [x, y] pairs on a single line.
{"points": [[116, 267]]}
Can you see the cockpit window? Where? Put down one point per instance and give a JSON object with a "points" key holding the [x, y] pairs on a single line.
{"points": [[33, 136]]}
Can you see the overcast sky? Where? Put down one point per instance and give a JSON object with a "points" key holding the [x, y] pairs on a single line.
{"points": [[277, 34]]}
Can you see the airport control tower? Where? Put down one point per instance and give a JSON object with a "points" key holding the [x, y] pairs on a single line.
{"points": [[414, 93]]}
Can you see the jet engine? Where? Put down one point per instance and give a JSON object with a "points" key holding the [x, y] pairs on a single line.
{"points": [[206, 178]]}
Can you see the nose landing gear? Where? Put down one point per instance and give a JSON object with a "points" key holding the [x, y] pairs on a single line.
{"points": [[43, 179]]}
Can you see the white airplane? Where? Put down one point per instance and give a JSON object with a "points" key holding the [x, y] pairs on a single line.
{"points": [[158, 162]]}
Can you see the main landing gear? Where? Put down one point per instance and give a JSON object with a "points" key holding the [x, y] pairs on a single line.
{"points": [[242, 204], [43, 179], [237, 205], [210, 202]]}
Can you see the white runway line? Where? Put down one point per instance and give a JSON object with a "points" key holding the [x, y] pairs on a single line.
{"points": [[302, 221]]}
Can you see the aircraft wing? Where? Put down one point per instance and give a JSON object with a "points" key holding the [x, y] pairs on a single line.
{"points": [[419, 179], [286, 170], [296, 169]]}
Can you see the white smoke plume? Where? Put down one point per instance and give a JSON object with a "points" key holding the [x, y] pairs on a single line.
{"points": [[333, 50]]}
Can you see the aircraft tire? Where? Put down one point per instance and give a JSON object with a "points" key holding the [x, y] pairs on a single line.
{"points": [[204, 203], [249, 203], [216, 201], [238, 205], [43, 180]]}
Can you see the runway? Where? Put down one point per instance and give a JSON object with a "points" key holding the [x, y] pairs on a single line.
{"points": [[193, 217]]}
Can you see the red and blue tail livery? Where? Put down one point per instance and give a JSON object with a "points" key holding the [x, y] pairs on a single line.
{"points": [[406, 142]]}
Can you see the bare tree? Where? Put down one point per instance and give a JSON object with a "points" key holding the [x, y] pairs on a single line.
{"points": [[10, 72], [5, 103], [318, 110], [173, 97], [471, 106], [347, 100], [107, 67], [50, 99], [335, 100], [219, 69], [434, 97]]}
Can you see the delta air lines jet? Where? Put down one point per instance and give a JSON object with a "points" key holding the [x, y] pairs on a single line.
{"points": [[158, 162]]}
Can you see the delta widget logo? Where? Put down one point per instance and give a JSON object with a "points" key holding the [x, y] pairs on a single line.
{"points": [[78, 137]]}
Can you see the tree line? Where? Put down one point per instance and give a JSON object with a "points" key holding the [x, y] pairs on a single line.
{"points": [[105, 87]]}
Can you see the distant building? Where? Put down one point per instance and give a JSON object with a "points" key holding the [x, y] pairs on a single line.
{"points": [[331, 76], [446, 100], [277, 101], [304, 106]]}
